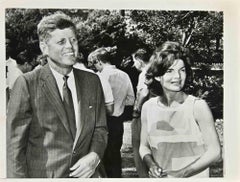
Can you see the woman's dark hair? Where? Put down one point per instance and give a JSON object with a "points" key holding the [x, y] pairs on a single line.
{"points": [[163, 58]]}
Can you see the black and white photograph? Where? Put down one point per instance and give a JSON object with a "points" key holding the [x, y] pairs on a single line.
{"points": [[117, 92]]}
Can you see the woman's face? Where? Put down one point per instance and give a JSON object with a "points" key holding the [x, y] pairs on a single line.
{"points": [[175, 77]]}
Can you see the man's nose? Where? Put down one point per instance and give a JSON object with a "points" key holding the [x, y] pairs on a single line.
{"points": [[68, 44]]}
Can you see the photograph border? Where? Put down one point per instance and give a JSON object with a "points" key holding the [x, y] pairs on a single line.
{"points": [[231, 62]]}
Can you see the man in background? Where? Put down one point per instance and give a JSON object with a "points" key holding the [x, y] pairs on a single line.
{"points": [[102, 60], [141, 63]]}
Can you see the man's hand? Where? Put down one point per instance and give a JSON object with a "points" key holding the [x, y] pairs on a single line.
{"points": [[86, 166]]}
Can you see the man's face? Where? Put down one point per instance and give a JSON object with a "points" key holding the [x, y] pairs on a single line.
{"points": [[137, 63], [95, 65], [61, 47]]}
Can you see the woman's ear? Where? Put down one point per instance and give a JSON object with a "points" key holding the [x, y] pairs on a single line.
{"points": [[44, 48]]}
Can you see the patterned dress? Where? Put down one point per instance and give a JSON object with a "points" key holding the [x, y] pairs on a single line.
{"points": [[174, 137]]}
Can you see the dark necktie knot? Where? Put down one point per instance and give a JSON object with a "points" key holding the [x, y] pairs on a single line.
{"points": [[65, 79]]}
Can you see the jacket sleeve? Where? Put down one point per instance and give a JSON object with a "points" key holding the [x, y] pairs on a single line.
{"points": [[99, 139], [19, 116]]}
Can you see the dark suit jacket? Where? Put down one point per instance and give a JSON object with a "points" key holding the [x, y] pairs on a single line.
{"points": [[39, 142]]}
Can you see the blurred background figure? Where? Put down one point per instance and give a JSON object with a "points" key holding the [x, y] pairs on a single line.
{"points": [[81, 63], [17, 67], [41, 61], [10, 66], [141, 63], [107, 91], [102, 59]]}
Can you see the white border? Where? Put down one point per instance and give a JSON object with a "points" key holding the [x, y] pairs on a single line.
{"points": [[231, 9]]}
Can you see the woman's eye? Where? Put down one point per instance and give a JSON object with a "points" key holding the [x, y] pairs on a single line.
{"points": [[183, 70], [168, 71]]}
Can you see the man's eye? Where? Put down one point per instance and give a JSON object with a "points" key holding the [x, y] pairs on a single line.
{"points": [[168, 71], [61, 42], [73, 40], [183, 70]]}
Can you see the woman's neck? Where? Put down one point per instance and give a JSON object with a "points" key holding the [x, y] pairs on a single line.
{"points": [[173, 98]]}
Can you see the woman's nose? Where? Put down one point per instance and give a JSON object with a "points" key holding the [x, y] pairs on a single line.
{"points": [[177, 74]]}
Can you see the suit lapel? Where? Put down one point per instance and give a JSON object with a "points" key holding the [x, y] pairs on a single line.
{"points": [[83, 100], [49, 87]]}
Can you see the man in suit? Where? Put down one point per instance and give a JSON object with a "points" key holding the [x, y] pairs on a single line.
{"points": [[56, 120]]}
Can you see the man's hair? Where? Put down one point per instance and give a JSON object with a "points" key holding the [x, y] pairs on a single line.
{"points": [[142, 54], [103, 54], [52, 22], [22, 57]]}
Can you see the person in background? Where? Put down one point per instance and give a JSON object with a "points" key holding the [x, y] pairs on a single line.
{"points": [[141, 63], [177, 139], [16, 68], [107, 91], [56, 120], [41, 61], [102, 60], [10, 66]]}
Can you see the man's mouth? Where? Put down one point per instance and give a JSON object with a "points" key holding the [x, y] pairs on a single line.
{"points": [[68, 54]]}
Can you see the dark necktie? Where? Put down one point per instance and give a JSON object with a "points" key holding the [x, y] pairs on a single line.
{"points": [[68, 105]]}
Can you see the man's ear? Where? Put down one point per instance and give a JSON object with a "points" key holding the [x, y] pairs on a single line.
{"points": [[158, 78], [44, 48]]}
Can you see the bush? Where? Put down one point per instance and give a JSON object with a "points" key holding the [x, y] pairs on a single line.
{"points": [[209, 88]]}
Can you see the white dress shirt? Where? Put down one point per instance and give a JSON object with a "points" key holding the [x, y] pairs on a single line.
{"points": [[122, 88], [13, 72], [72, 86]]}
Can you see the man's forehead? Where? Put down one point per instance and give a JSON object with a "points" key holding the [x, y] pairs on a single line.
{"points": [[68, 30], [61, 33]]}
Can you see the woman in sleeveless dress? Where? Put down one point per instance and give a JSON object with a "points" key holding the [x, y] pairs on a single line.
{"points": [[178, 136]]}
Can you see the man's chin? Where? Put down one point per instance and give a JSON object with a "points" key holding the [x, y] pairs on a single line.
{"points": [[70, 62]]}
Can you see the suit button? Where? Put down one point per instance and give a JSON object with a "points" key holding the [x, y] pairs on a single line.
{"points": [[74, 152]]}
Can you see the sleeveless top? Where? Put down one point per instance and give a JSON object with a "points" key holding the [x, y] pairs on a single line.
{"points": [[174, 136]]}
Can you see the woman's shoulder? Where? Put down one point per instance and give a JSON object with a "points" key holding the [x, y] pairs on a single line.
{"points": [[196, 100], [151, 101], [200, 106]]}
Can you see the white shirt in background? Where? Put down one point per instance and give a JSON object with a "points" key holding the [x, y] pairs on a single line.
{"points": [[107, 91], [122, 88]]}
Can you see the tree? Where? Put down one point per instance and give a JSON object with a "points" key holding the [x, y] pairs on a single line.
{"points": [[202, 31]]}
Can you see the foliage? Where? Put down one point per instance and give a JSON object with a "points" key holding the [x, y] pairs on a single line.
{"points": [[200, 31], [209, 88]]}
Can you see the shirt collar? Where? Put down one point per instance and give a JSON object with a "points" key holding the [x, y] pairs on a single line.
{"points": [[58, 75]]}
